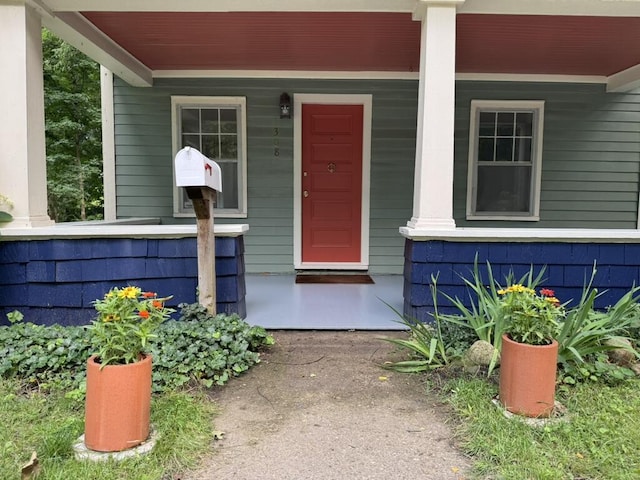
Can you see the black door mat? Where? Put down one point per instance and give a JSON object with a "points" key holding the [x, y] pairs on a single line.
{"points": [[335, 278]]}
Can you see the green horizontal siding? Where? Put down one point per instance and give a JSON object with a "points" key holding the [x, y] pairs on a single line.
{"points": [[590, 159], [590, 175], [143, 151]]}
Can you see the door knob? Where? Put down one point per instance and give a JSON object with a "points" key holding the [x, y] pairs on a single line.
{"points": [[305, 193]]}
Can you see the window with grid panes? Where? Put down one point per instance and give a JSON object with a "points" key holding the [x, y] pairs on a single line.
{"points": [[505, 154], [216, 126]]}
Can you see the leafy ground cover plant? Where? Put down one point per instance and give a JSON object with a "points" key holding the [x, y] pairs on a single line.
{"points": [[44, 357], [205, 348], [197, 349]]}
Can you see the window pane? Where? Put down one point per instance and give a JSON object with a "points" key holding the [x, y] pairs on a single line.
{"points": [[228, 198], [523, 150], [191, 141], [215, 128], [185, 201], [524, 124], [504, 149], [485, 149], [229, 147], [210, 147], [505, 124], [228, 122], [503, 189], [487, 124], [209, 120], [190, 120]]}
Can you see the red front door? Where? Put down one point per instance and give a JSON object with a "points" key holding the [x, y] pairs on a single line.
{"points": [[331, 183]]}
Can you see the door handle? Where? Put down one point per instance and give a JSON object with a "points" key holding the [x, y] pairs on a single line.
{"points": [[305, 193]]}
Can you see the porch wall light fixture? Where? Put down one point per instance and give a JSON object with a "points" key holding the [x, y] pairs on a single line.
{"points": [[285, 106]]}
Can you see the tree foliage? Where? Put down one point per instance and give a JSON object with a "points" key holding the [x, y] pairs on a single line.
{"points": [[73, 132]]}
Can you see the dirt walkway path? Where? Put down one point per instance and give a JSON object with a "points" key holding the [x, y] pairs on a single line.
{"points": [[320, 407]]}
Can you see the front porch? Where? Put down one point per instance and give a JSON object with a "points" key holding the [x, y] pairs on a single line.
{"points": [[277, 302]]}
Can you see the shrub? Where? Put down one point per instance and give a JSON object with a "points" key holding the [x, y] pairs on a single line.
{"points": [[581, 331]]}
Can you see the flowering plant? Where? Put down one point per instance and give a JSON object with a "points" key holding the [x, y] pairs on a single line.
{"points": [[530, 317], [126, 320]]}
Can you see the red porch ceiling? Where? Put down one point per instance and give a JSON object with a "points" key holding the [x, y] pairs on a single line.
{"points": [[371, 42]]}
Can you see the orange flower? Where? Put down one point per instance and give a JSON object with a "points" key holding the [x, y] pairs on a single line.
{"points": [[143, 314], [148, 295], [156, 304]]}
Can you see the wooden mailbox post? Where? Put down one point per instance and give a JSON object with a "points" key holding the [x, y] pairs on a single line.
{"points": [[201, 178]]}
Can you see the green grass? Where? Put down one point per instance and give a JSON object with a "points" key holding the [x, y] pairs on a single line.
{"points": [[601, 440], [50, 424]]}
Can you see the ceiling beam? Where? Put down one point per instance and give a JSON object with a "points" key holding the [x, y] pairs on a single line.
{"points": [[625, 80], [82, 34]]}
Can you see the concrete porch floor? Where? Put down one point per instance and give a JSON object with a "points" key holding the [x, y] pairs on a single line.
{"points": [[277, 302]]}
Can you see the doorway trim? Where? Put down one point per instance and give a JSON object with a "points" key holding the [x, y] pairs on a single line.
{"points": [[366, 101]]}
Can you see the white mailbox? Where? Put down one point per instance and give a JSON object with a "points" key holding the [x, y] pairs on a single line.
{"points": [[193, 169]]}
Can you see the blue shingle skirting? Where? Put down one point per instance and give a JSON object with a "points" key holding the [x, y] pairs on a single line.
{"points": [[568, 267], [56, 281]]}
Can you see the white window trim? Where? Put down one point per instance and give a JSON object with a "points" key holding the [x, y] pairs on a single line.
{"points": [[508, 105], [189, 101]]}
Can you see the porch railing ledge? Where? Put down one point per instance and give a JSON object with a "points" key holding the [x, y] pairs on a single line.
{"points": [[97, 230], [576, 235]]}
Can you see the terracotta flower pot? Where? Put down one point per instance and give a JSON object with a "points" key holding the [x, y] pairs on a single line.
{"points": [[118, 405], [528, 377]]}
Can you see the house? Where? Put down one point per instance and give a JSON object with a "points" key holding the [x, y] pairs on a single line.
{"points": [[421, 134]]}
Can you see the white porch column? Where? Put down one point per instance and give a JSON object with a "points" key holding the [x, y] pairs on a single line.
{"points": [[23, 166], [433, 183]]}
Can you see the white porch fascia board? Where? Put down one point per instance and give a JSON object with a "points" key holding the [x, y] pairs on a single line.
{"points": [[530, 78], [604, 8], [578, 235], [232, 5], [82, 34], [123, 229], [300, 74], [607, 8], [377, 75]]}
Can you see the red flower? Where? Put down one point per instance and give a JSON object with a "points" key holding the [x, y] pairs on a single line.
{"points": [[148, 295], [144, 314], [547, 292], [156, 304]]}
